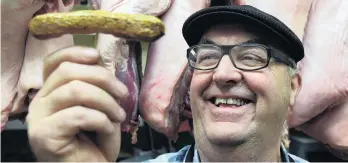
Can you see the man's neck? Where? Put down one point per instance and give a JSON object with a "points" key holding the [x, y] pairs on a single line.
{"points": [[250, 152]]}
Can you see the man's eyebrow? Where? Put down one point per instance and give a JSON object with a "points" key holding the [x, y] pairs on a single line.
{"points": [[205, 41], [258, 41]]}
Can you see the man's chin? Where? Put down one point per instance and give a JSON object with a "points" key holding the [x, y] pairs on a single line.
{"points": [[227, 133]]}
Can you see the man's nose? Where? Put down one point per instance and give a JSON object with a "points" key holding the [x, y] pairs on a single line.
{"points": [[226, 73]]}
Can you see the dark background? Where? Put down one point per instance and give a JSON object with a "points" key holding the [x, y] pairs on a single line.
{"points": [[15, 146]]}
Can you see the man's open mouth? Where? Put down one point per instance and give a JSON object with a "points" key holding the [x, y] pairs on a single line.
{"points": [[237, 102]]}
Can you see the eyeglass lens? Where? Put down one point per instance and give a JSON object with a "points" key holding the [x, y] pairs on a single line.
{"points": [[243, 56]]}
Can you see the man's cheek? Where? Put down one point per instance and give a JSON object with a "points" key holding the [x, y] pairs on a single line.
{"points": [[199, 83], [259, 84], [267, 93], [281, 80], [194, 100]]}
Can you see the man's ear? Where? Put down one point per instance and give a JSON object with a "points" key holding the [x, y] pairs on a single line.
{"points": [[295, 86]]}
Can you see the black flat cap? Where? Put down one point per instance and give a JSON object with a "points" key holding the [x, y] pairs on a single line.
{"points": [[199, 22]]}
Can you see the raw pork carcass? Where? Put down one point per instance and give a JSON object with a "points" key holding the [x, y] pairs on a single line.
{"points": [[15, 16], [120, 56], [293, 13], [30, 80], [164, 87], [21, 65], [322, 104]]}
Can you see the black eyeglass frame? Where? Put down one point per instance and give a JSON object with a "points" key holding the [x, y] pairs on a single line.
{"points": [[226, 49]]}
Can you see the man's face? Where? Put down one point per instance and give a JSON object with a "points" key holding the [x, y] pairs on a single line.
{"points": [[265, 97]]}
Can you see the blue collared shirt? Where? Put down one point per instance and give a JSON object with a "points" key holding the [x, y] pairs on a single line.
{"points": [[182, 155]]}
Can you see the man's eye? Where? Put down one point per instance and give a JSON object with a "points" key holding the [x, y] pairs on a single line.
{"points": [[205, 57], [252, 57], [249, 57], [208, 57]]}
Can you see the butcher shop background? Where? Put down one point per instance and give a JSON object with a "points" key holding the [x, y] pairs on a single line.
{"points": [[15, 147]]}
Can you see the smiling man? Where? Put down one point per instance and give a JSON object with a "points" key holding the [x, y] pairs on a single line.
{"points": [[243, 87]]}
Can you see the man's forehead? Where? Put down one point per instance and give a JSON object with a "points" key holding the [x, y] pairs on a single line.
{"points": [[230, 34]]}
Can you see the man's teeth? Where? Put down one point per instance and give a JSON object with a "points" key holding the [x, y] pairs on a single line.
{"points": [[230, 101]]}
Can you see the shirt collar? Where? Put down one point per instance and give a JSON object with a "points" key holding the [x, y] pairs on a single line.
{"points": [[283, 153]]}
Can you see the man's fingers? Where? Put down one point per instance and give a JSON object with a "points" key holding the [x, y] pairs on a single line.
{"points": [[77, 54], [93, 74], [66, 124], [85, 119], [78, 93], [108, 148], [80, 118]]}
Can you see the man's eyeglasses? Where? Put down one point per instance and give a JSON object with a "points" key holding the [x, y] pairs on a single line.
{"points": [[246, 56]]}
